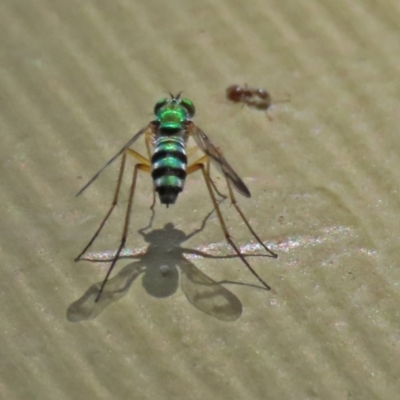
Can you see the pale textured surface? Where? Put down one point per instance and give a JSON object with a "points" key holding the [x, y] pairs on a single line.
{"points": [[78, 79]]}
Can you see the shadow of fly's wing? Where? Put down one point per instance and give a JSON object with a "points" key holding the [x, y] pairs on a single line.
{"points": [[207, 295], [86, 307]]}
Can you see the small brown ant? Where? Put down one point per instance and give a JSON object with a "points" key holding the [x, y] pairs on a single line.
{"points": [[256, 98]]}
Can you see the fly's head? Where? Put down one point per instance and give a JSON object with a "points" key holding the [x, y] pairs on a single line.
{"points": [[174, 112]]}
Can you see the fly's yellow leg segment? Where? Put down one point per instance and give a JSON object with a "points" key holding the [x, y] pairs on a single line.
{"points": [[139, 157], [149, 140], [206, 160], [191, 151], [233, 201], [203, 159], [138, 167], [200, 166], [212, 182], [113, 204]]}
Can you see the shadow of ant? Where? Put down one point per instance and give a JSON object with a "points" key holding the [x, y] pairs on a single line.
{"points": [[161, 263]]}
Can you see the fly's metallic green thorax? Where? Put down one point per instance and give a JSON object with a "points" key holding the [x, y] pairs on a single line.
{"points": [[173, 113], [169, 156]]}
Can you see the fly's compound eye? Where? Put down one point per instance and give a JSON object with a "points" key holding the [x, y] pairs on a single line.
{"points": [[160, 104], [189, 107]]}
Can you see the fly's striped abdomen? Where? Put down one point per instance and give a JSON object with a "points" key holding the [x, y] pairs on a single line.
{"points": [[169, 167]]}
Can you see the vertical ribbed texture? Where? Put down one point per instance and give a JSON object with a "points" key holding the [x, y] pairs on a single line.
{"points": [[78, 79]]}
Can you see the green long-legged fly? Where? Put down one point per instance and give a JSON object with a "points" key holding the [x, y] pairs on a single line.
{"points": [[166, 139]]}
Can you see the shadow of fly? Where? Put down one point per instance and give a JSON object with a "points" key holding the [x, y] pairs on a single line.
{"points": [[166, 140]]}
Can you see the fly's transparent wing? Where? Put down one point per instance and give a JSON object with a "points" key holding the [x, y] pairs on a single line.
{"points": [[130, 143], [217, 158]]}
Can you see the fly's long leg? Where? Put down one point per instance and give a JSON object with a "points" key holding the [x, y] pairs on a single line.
{"points": [[211, 181], [144, 161], [200, 166], [142, 167], [141, 159], [240, 212], [149, 144], [214, 154], [204, 159], [113, 204]]}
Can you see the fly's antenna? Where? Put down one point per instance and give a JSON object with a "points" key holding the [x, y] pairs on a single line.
{"points": [[178, 96]]}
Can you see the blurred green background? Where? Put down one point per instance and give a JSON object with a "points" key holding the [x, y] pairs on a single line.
{"points": [[78, 79]]}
